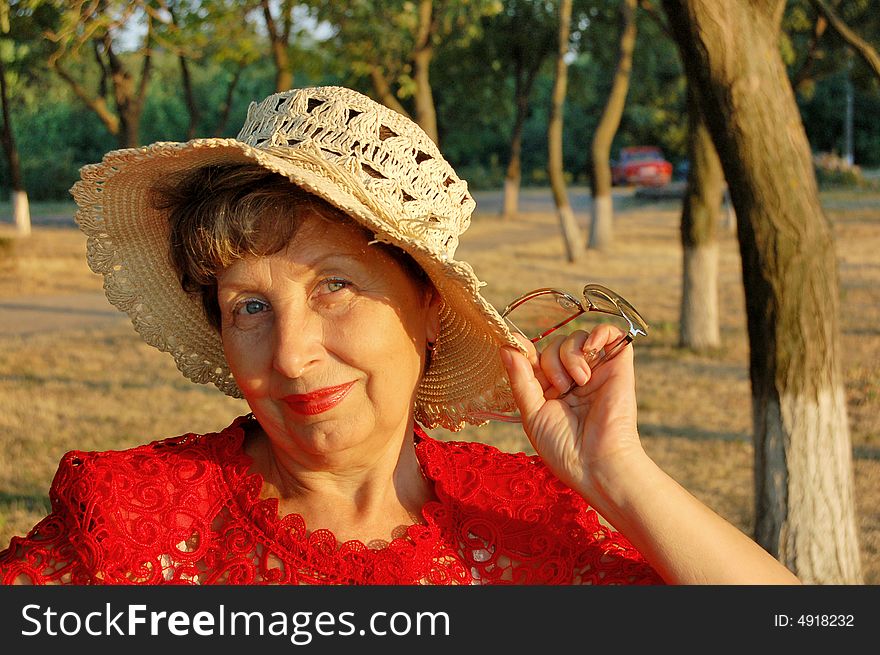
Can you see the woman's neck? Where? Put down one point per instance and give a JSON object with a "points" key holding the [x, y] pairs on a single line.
{"points": [[368, 499]]}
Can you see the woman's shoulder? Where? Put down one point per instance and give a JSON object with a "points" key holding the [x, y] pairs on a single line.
{"points": [[149, 483], [112, 509], [183, 455], [479, 470]]}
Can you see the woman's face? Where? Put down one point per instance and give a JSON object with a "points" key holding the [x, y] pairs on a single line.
{"points": [[326, 339]]}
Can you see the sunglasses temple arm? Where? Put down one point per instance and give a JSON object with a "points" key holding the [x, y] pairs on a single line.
{"points": [[597, 358]]}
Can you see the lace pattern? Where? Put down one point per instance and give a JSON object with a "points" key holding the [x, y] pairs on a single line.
{"points": [[187, 511]]}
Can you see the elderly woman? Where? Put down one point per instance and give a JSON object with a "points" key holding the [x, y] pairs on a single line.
{"points": [[308, 267]]}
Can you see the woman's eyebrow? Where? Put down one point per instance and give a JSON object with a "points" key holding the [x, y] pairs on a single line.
{"points": [[347, 257]]}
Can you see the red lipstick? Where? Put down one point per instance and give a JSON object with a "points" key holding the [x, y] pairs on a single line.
{"points": [[319, 400]]}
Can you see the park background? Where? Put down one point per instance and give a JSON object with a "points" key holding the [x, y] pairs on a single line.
{"points": [[74, 375]]}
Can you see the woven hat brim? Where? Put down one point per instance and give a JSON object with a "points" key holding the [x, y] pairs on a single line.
{"points": [[128, 245]]}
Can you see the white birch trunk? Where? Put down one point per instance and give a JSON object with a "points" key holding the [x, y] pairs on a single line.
{"points": [[818, 538], [571, 234], [699, 301], [511, 198], [601, 226], [21, 213]]}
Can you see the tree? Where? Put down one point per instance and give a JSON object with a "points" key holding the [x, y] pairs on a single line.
{"points": [[859, 45], [570, 231], [99, 26], [699, 317], [522, 37], [20, 212], [804, 505], [601, 229], [287, 29], [216, 33], [393, 42], [827, 45], [22, 50], [698, 312]]}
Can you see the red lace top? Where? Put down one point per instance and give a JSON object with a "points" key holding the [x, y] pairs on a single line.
{"points": [[186, 511]]}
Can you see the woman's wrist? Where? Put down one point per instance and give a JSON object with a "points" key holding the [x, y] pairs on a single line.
{"points": [[668, 525], [609, 484]]}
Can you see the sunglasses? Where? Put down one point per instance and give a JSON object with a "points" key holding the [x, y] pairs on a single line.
{"points": [[540, 313]]}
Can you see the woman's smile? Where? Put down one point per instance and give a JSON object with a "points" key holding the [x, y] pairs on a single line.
{"points": [[319, 400]]}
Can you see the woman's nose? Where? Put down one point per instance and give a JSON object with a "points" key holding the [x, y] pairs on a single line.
{"points": [[299, 337]]}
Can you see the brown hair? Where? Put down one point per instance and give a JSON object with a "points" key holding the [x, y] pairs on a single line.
{"points": [[221, 213]]}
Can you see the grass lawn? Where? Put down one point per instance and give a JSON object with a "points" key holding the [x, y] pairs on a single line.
{"points": [[84, 390]]}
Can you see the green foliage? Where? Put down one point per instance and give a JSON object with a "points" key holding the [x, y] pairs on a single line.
{"points": [[476, 45], [823, 113], [382, 34], [54, 140]]}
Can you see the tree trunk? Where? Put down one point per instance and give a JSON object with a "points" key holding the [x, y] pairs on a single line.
{"points": [[700, 215], [426, 114], [129, 98], [570, 231], [601, 229], [278, 44], [96, 103], [192, 107], [129, 111], [226, 107], [513, 177], [20, 210], [383, 91], [804, 504]]}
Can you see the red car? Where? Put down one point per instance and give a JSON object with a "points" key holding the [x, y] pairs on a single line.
{"points": [[642, 166]]}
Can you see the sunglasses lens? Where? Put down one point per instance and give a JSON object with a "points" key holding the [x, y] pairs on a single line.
{"points": [[542, 314], [604, 300], [601, 300]]}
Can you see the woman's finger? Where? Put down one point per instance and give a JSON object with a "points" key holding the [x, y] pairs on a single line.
{"points": [[571, 354], [528, 393], [551, 364], [533, 359], [604, 343]]}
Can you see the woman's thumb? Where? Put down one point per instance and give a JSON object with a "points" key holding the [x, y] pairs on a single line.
{"points": [[527, 391]]}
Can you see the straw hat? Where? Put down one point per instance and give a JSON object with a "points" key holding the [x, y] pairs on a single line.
{"points": [[326, 140]]}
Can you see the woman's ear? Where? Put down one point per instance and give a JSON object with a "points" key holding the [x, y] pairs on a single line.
{"points": [[435, 303]]}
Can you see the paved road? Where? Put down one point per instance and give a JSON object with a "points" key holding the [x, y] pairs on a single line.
{"points": [[41, 314], [38, 314]]}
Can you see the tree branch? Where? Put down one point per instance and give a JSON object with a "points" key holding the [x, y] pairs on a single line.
{"points": [[97, 105], [102, 83], [863, 48], [383, 91], [803, 72], [146, 65], [648, 7]]}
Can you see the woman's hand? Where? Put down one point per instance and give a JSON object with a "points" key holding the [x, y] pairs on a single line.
{"points": [[590, 441], [591, 428]]}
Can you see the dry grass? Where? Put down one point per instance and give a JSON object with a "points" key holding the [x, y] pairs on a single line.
{"points": [[81, 390]]}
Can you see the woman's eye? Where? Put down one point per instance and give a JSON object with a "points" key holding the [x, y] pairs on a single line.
{"points": [[335, 285], [251, 307]]}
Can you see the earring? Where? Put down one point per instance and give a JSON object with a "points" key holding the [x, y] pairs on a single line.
{"points": [[429, 355]]}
